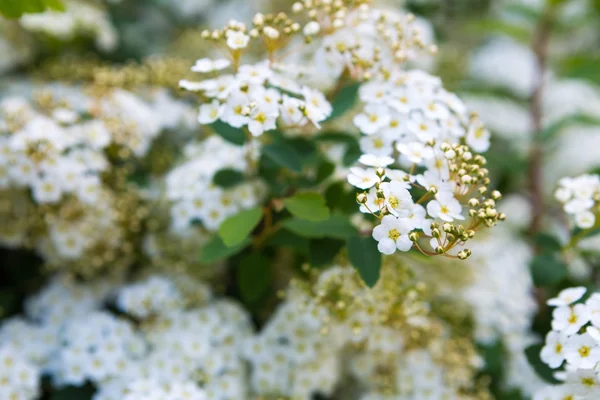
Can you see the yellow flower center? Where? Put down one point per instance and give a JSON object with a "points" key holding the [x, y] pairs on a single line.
{"points": [[394, 234], [584, 351]]}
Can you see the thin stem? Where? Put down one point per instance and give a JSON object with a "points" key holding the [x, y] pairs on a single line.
{"points": [[540, 46]]}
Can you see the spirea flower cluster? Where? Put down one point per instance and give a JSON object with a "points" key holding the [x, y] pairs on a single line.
{"points": [[68, 154], [580, 197], [573, 346], [166, 341], [191, 188]]}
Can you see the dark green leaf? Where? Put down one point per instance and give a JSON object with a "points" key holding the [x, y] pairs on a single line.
{"points": [[338, 198], [337, 227], [493, 356], [308, 205], [8, 302], [547, 270], [543, 370], [229, 133], [323, 251], [365, 257], [284, 155], [254, 277], [227, 178], [237, 227], [73, 393], [285, 238], [215, 250], [344, 101], [324, 171], [547, 242]]}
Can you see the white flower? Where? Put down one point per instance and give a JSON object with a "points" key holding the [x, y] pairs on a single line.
{"points": [[392, 234], [375, 161], [445, 207], [363, 178], [237, 40], [570, 319], [423, 128], [478, 137], [415, 152], [311, 28], [553, 351], [210, 112], [585, 219], [46, 191], [262, 119], [290, 110], [582, 351], [567, 297], [563, 194], [379, 145], [205, 65], [317, 108], [398, 200], [374, 118], [593, 307]]}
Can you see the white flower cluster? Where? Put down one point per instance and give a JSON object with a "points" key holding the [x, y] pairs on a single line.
{"points": [[365, 39], [500, 266], [79, 19], [575, 342], [61, 151], [188, 349], [191, 188], [307, 350], [19, 379], [408, 117], [256, 96], [580, 197], [54, 155]]}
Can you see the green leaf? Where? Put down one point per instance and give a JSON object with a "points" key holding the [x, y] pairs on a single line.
{"points": [[543, 370], [73, 393], [254, 277], [236, 228], [556, 128], [229, 133], [493, 356], [307, 205], [227, 178], [583, 66], [324, 171], [284, 155], [547, 242], [16, 8], [8, 302], [513, 30], [322, 251], [345, 100], [215, 250], [365, 257], [285, 238], [338, 198], [547, 270], [337, 227]]}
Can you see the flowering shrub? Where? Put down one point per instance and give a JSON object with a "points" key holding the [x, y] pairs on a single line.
{"points": [[315, 203]]}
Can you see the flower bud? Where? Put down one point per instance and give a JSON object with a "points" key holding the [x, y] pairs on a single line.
{"points": [[436, 233], [474, 202], [413, 236], [496, 195], [439, 250], [448, 228], [361, 198]]}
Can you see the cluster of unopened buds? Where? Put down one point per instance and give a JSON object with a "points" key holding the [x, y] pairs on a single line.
{"points": [[580, 197]]}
